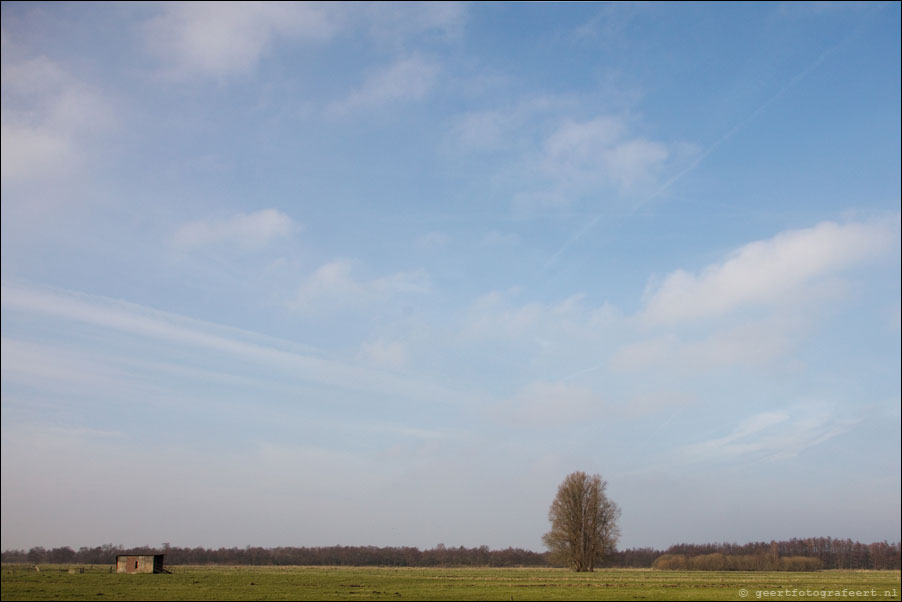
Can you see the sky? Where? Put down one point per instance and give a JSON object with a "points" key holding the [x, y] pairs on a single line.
{"points": [[384, 274]]}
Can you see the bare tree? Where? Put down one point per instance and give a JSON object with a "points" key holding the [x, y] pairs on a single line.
{"points": [[583, 523]]}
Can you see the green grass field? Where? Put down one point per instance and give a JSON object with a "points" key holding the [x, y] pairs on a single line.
{"points": [[344, 583]]}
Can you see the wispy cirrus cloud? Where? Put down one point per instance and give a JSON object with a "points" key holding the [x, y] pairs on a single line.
{"points": [[408, 79], [302, 364], [247, 231], [773, 435], [767, 272]]}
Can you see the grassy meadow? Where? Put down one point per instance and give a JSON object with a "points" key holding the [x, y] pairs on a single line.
{"points": [[55, 582]]}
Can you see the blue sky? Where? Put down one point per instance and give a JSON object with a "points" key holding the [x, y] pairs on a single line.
{"points": [[365, 274]]}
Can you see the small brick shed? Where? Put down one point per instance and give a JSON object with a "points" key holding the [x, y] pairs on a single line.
{"points": [[139, 563]]}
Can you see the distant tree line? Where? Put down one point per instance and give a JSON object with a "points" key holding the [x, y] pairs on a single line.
{"points": [[795, 554], [316, 556]]}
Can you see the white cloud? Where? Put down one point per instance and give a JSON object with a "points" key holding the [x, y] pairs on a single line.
{"points": [[496, 129], [482, 129], [559, 340], [225, 39], [496, 238], [602, 151], [655, 401], [246, 230], [643, 354], [332, 286], [766, 272], [572, 338], [433, 240], [32, 151], [48, 117], [408, 79], [221, 39], [542, 403], [751, 343], [554, 159], [386, 354], [396, 23], [493, 316], [490, 317], [781, 277]]}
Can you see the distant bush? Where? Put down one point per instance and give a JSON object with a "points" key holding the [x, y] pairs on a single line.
{"points": [[800, 563], [744, 562], [708, 562], [670, 562], [783, 555]]}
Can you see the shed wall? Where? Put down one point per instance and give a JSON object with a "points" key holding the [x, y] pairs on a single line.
{"points": [[148, 563]]}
